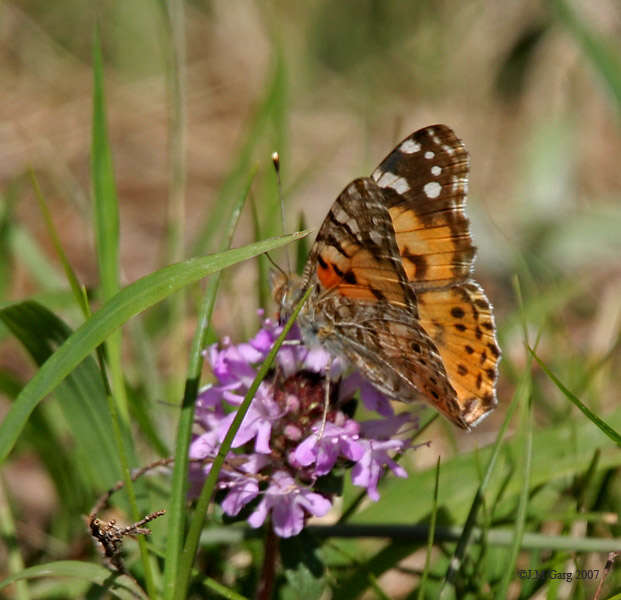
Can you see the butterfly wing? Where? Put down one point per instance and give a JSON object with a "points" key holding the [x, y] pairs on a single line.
{"points": [[362, 306], [425, 182]]}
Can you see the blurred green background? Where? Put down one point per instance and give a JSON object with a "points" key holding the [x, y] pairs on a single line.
{"points": [[533, 88]]}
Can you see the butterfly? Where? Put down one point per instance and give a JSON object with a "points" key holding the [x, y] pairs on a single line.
{"points": [[390, 271]]}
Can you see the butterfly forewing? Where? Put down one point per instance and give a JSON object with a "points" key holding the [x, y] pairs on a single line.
{"points": [[425, 182]]}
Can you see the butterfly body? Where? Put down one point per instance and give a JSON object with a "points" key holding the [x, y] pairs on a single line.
{"points": [[391, 291]]}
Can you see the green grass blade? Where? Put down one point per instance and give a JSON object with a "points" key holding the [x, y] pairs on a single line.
{"points": [[104, 187], [8, 533], [119, 586], [432, 531], [302, 249], [22, 244], [106, 224], [385, 559], [603, 426], [81, 395], [60, 252], [262, 269], [221, 590], [176, 509], [460, 550], [553, 460], [520, 518], [497, 537], [232, 186], [131, 300], [198, 518]]}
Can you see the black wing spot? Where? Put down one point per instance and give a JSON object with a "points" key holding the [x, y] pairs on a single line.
{"points": [[462, 370], [349, 277], [491, 374], [460, 327], [416, 347], [377, 293], [479, 381], [483, 357], [481, 303], [338, 271], [458, 312], [419, 262], [494, 350], [435, 394], [488, 325], [469, 349], [478, 333], [322, 263]]}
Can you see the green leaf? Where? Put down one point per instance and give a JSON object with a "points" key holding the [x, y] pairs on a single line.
{"points": [[81, 396], [119, 586], [131, 300], [558, 452], [303, 568]]}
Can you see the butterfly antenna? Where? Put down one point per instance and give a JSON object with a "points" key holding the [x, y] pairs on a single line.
{"points": [[276, 163], [276, 266]]}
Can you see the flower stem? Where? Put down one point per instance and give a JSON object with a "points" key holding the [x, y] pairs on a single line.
{"points": [[268, 571]]}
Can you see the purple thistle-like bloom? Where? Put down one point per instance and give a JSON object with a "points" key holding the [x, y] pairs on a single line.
{"points": [[284, 447]]}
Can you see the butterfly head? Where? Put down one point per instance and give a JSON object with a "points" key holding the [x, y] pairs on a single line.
{"points": [[286, 290]]}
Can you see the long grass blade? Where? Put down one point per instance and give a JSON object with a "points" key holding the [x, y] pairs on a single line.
{"points": [[198, 518], [612, 433], [432, 532], [130, 301], [176, 510]]}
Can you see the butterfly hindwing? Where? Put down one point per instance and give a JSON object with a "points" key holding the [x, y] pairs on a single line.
{"points": [[460, 322]]}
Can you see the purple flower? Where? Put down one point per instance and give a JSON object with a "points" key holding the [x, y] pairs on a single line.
{"points": [[368, 470], [257, 422], [324, 447], [288, 439], [289, 503]]}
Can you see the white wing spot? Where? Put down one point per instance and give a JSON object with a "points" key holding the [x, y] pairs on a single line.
{"points": [[432, 189], [393, 181], [410, 147], [376, 236], [435, 170], [429, 154], [450, 151]]}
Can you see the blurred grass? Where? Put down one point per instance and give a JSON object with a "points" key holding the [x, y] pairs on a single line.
{"points": [[326, 85]]}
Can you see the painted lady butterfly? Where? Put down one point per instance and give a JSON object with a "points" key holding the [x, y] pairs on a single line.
{"points": [[390, 270]]}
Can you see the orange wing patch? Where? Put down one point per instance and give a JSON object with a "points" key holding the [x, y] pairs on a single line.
{"points": [[460, 322], [434, 251], [361, 277]]}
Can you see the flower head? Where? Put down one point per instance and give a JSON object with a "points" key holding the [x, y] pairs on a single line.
{"points": [[289, 440]]}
